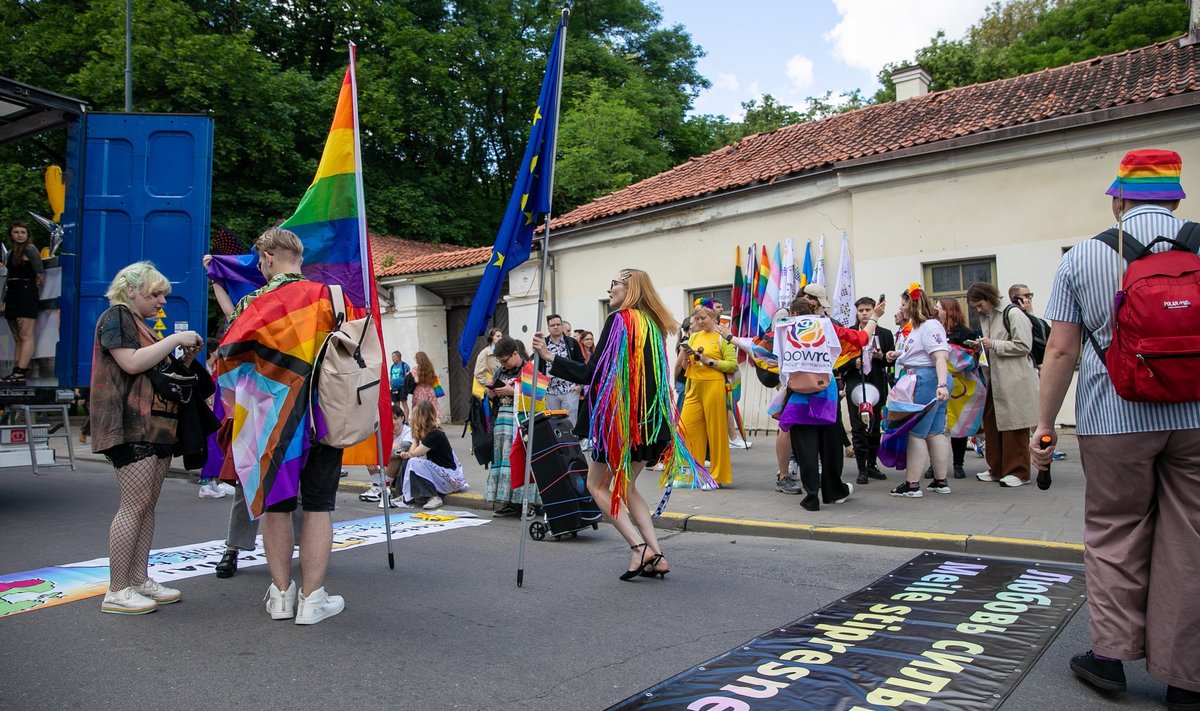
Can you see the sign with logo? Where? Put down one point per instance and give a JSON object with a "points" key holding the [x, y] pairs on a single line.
{"points": [[806, 344]]}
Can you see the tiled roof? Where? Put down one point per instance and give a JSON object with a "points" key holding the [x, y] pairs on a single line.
{"points": [[394, 256], [1132, 77]]}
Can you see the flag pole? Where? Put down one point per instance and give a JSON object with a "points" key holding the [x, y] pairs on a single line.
{"points": [[541, 304], [363, 248]]}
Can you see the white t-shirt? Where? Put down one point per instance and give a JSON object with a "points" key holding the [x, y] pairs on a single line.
{"points": [[925, 340], [401, 438]]}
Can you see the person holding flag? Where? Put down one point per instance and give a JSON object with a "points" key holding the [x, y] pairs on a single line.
{"points": [[633, 421]]}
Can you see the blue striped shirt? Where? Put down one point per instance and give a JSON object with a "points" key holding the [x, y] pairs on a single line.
{"points": [[1083, 293]]}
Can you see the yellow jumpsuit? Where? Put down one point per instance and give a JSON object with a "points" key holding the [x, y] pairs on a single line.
{"points": [[703, 416]]}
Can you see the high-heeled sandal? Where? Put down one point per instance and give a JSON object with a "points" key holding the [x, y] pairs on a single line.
{"points": [[649, 568], [631, 574]]}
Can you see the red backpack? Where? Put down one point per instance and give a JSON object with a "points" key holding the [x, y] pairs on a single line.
{"points": [[1155, 351]]}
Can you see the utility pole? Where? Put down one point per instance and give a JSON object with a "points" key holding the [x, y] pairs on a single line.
{"points": [[128, 56]]}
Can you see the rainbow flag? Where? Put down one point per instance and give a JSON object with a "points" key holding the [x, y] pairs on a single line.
{"points": [[771, 299], [331, 222], [760, 291], [735, 301]]}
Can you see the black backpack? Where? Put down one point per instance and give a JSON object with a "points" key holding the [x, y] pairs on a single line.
{"points": [[1041, 333]]}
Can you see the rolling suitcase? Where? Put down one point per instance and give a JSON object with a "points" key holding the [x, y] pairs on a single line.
{"points": [[560, 473]]}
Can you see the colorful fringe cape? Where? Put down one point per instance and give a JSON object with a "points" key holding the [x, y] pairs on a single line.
{"points": [[263, 371], [626, 416]]}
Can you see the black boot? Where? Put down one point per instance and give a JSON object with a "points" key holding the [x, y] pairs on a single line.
{"points": [[862, 470], [1106, 674], [1182, 699]]}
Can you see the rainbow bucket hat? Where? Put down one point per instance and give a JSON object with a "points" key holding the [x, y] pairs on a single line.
{"points": [[1148, 174]]}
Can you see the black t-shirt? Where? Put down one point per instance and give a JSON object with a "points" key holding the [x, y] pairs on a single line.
{"points": [[439, 452]]}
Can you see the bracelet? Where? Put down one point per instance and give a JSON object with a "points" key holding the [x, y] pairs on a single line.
{"points": [[943, 385], [873, 320]]}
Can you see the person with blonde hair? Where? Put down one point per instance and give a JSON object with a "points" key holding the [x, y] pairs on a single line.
{"points": [[134, 428], [709, 358], [923, 353], [632, 417], [245, 352], [433, 469]]}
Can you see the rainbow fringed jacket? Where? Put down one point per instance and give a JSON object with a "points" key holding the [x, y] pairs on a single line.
{"points": [[632, 402]]}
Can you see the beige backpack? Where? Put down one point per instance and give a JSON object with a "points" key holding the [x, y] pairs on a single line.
{"points": [[346, 378]]}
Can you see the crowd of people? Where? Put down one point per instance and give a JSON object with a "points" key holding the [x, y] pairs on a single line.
{"points": [[632, 410]]}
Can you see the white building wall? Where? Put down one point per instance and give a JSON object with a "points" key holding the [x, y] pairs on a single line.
{"points": [[417, 322], [1020, 202]]}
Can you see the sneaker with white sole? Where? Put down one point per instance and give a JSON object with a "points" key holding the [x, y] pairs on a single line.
{"points": [[372, 494], [986, 476], [738, 443], [281, 605], [158, 592], [435, 502], [938, 486], [848, 494], [1012, 481], [226, 489], [127, 602], [209, 490], [318, 606], [392, 503], [786, 483], [911, 491]]}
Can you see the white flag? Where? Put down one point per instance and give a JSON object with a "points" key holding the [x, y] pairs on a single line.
{"points": [[787, 275], [843, 296], [819, 267]]}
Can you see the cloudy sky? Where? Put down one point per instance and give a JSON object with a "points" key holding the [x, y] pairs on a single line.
{"points": [[793, 49]]}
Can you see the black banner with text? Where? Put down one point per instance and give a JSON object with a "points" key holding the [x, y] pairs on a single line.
{"points": [[942, 631]]}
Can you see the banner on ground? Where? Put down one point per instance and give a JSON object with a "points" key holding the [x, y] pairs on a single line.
{"points": [[59, 584], [940, 632]]}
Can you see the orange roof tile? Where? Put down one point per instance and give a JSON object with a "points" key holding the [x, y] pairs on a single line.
{"points": [[1132, 77], [394, 256]]}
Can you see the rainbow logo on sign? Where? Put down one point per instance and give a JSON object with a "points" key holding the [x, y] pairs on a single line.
{"points": [[805, 334]]}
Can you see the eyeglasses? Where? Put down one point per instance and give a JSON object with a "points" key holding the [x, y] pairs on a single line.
{"points": [[614, 283]]}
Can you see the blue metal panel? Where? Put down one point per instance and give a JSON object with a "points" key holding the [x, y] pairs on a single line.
{"points": [[146, 195]]}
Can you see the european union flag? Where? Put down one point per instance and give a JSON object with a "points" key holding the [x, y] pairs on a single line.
{"points": [[529, 202]]}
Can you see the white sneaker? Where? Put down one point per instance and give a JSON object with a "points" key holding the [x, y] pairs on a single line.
{"points": [[585, 444], [433, 503], [1012, 481], [848, 495], [372, 494], [127, 602], [281, 605], [318, 606], [158, 592], [659, 467], [392, 503], [210, 491], [226, 489], [986, 476]]}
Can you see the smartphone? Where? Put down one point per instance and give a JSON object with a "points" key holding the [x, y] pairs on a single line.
{"points": [[883, 297], [970, 343]]}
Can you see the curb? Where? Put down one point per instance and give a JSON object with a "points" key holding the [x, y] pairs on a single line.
{"points": [[956, 543]]}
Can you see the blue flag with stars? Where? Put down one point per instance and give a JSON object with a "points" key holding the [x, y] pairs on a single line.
{"points": [[530, 201]]}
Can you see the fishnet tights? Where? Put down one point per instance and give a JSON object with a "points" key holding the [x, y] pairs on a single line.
{"points": [[132, 529]]}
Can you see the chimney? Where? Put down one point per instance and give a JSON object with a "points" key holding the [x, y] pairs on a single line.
{"points": [[1193, 35], [913, 81]]}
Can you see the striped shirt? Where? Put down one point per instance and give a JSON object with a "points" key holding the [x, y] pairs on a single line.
{"points": [[1083, 293]]}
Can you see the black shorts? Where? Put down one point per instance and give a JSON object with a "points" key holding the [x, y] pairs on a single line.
{"points": [[397, 395], [318, 481]]}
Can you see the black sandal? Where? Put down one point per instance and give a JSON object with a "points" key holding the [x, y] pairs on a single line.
{"points": [[631, 574], [649, 571], [228, 565]]}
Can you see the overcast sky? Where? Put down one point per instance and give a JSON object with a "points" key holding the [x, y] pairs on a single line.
{"points": [[793, 49]]}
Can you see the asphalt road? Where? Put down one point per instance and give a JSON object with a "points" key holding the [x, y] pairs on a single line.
{"points": [[447, 629]]}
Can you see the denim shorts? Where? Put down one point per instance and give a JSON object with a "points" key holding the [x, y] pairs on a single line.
{"points": [[934, 421]]}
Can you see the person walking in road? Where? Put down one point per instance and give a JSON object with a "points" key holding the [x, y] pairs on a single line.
{"points": [[1141, 460], [135, 428], [1012, 396], [627, 433]]}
